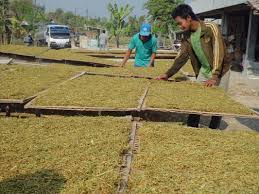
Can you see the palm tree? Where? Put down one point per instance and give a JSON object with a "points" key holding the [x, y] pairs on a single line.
{"points": [[117, 19], [17, 30]]}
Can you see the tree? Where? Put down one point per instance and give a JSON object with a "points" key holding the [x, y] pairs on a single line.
{"points": [[18, 17], [117, 19], [26, 10], [134, 24], [160, 13], [17, 31], [58, 16], [4, 21]]}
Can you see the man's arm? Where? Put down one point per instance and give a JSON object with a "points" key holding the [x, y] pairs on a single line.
{"points": [[152, 60], [126, 58], [131, 46], [179, 62], [154, 50], [218, 51]]}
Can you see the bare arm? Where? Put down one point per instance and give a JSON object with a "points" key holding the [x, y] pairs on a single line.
{"points": [[152, 60], [180, 60], [126, 58]]}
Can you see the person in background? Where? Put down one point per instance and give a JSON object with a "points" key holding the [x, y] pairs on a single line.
{"points": [[145, 45], [103, 38], [28, 40]]}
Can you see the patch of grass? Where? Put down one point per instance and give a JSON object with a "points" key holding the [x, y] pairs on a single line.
{"points": [[176, 159], [10, 48], [96, 91], [192, 96], [55, 54], [67, 54], [117, 51], [118, 55], [63, 54], [19, 81], [160, 68], [22, 50], [83, 57], [111, 51], [61, 154], [30, 51]]}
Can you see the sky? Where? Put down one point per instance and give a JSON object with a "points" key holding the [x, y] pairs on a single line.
{"points": [[96, 8]]}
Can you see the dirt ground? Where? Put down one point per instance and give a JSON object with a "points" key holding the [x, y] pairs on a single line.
{"points": [[245, 91]]}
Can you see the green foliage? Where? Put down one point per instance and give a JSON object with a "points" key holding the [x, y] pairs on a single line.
{"points": [[117, 24], [18, 17], [4, 21], [27, 11], [16, 29], [160, 12], [134, 24], [76, 22]]}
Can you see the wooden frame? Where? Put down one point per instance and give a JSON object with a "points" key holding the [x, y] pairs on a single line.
{"points": [[120, 56], [43, 59], [146, 113], [14, 105], [128, 159]]}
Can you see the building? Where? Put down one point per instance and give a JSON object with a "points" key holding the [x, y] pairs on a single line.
{"points": [[90, 38], [239, 18]]}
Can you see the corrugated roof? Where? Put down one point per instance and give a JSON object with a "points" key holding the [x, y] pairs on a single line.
{"points": [[254, 4], [201, 6]]}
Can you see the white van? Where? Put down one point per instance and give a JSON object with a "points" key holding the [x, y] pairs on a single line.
{"points": [[55, 36]]}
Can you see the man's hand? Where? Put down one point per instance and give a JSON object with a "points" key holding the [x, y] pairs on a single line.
{"points": [[211, 83], [162, 77]]}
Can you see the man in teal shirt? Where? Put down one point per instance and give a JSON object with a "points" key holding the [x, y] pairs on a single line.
{"points": [[146, 46]]}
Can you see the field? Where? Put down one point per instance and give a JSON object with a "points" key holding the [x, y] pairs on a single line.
{"points": [[82, 154], [96, 91], [66, 54], [129, 70], [61, 154], [175, 159], [23, 50], [21, 81], [192, 96]]}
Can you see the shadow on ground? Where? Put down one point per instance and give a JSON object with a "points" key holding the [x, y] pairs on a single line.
{"points": [[44, 181], [252, 124]]}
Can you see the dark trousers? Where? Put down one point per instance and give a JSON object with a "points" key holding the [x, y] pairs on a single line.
{"points": [[194, 120]]}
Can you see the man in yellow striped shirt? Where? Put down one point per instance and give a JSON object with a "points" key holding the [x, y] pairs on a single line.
{"points": [[203, 44]]}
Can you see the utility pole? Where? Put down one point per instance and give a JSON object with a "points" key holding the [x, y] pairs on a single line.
{"points": [[86, 13], [75, 25], [34, 14]]}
